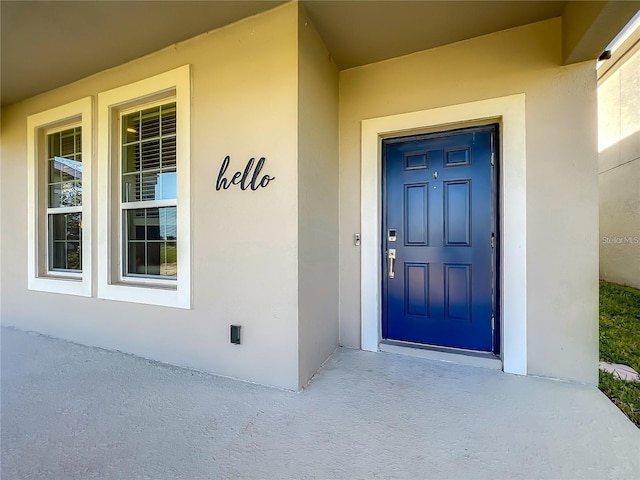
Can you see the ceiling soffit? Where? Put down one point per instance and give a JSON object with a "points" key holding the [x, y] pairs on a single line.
{"points": [[358, 33], [93, 36]]}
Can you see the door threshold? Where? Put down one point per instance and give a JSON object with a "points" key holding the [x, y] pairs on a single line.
{"points": [[443, 354]]}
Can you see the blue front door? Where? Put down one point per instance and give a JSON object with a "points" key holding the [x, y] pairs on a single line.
{"points": [[439, 239]]}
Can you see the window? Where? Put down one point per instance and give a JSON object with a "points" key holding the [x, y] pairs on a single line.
{"points": [[59, 175], [144, 139], [64, 199], [148, 148]]}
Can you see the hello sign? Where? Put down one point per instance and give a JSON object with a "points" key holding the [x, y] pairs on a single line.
{"points": [[244, 179]]}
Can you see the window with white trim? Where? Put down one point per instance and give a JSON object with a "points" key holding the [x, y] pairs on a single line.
{"points": [[64, 200], [149, 200], [59, 207], [144, 178]]}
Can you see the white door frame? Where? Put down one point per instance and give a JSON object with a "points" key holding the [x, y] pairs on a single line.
{"points": [[510, 113]]}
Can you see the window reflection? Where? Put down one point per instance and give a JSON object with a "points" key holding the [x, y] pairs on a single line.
{"points": [[65, 249], [151, 241], [64, 185]]}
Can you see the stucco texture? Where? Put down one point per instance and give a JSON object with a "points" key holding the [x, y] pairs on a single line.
{"points": [[619, 171], [244, 243], [278, 260], [561, 185], [317, 200]]}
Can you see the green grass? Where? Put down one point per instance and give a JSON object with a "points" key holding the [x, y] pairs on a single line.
{"points": [[170, 251], [620, 343]]}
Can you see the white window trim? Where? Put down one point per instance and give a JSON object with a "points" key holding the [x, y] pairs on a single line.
{"points": [[510, 110], [74, 113], [56, 210], [173, 84]]}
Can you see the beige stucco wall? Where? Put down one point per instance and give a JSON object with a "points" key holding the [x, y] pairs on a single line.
{"points": [[619, 170], [244, 243], [317, 200], [269, 259], [562, 232]]}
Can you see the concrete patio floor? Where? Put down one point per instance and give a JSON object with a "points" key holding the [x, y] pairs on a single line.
{"points": [[75, 412]]}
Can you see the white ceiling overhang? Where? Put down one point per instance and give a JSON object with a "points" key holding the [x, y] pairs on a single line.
{"points": [[45, 45]]}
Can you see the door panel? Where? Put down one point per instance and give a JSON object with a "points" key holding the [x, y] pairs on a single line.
{"points": [[439, 201], [416, 214], [457, 288], [417, 278], [457, 213]]}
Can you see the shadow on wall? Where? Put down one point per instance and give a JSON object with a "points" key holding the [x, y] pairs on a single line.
{"points": [[619, 189]]}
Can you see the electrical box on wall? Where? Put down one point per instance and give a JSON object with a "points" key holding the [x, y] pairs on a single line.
{"points": [[235, 334]]}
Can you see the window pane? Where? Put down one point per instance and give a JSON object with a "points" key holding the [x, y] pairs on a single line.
{"points": [[65, 226], [67, 171], [151, 245], [71, 166], [57, 256], [54, 195], [64, 169], [149, 175], [73, 226], [69, 194], [166, 186], [169, 260], [74, 259], [153, 224], [131, 127], [150, 155], [76, 164], [131, 158], [58, 227], [150, 188], [67, 143], [153, 258], [55, 175], [150, 123], [65, 238], [77, 190], [168, 223], [136, 224], [54, 145], [136, 264], [169, 152], [78, 134], [130, 187], [169, 119]]}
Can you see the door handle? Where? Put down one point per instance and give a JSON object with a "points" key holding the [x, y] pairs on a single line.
{"points": [[392, 257]]}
